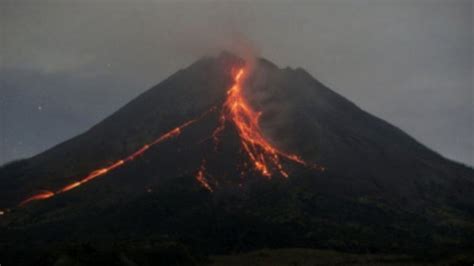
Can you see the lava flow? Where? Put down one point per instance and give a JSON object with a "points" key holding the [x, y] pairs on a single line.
{"points": [[102, 171], [264, 157], [200, 177]]}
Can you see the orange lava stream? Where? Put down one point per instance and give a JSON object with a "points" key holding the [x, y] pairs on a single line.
{"points": [[261, 152], [102, 171], [201, 178], [265, 158]]}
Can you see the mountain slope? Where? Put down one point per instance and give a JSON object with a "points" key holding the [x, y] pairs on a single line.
{"points": [[381, 190]]}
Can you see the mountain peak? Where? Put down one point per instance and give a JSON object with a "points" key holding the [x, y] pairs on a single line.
{"points": [[213, 146]]}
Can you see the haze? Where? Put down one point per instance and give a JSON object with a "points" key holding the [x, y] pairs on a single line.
{"points": [[66, 65]]}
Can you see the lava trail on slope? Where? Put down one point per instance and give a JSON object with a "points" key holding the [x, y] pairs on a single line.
{"points": [[45, 194], [265, 158]]}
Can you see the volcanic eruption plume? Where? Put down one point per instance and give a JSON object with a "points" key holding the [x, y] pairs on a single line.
{"points": [[265, 158]]}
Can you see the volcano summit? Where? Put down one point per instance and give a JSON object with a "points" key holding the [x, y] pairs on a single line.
{"points": [[223, 159]]}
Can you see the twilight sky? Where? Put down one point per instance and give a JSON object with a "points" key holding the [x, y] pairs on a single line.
{"points": [[66, 65]]}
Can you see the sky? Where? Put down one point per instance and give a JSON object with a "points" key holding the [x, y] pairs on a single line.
{"points": [[66, 65]]}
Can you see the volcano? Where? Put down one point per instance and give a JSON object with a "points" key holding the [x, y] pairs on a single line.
{"points": [[224, 156]]}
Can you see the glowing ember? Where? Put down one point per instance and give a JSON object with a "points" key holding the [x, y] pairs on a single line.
{"points": [[201, 178]]}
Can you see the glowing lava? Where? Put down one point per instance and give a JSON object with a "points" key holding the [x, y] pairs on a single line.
{"points": [[40, 196], [102, 171], [264, 157], [200, 177]]}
